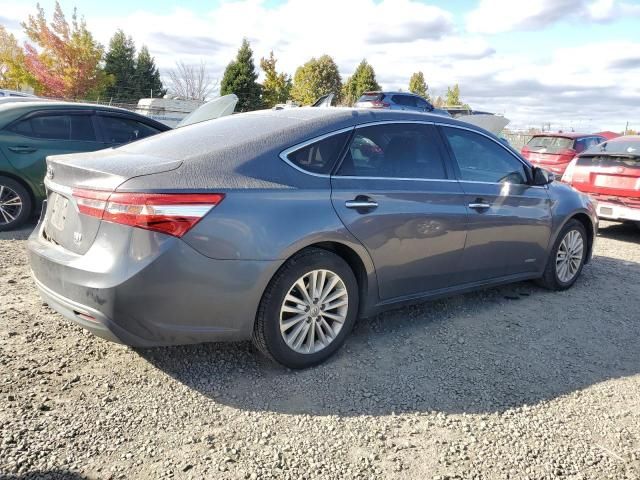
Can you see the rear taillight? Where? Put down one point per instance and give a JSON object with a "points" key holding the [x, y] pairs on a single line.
{"points": [[379, 104], [171, 213], [567, 176]]}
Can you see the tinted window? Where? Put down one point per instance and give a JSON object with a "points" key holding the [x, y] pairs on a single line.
{"points": [[422, 103], [319, 157], [125, 130], [404, 100], [395, 151], [481, 159], [585, 143], [57, 127]]}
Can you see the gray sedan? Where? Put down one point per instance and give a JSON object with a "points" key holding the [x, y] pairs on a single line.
{"points": [[286, 226]]}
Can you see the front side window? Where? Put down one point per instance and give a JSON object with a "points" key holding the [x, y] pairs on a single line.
{"points": [[394, 151], [481, 159], [124, 130], [57, 127], [319, 157]]}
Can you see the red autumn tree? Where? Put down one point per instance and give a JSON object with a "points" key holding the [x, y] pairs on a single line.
{"points": [[65, 59]]}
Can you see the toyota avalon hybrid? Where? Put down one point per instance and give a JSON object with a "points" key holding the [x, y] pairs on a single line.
{"points": [[286, 226]]}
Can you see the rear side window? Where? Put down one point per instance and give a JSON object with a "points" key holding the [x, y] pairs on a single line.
{"points": [[481, 159], [404, 100], [394, 151], [321, 156], [57, 127], [124, 130]]}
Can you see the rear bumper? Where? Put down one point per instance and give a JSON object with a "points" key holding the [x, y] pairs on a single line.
{"points": [[613, 211], [147, 289]]}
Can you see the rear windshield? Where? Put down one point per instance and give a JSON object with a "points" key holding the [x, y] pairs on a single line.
{"points": [[371, 97], [551, 143], [609, 161], [624, 147]]}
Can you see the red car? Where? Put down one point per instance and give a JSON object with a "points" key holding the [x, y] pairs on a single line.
{"points": [[554, 151], [610, 174]]}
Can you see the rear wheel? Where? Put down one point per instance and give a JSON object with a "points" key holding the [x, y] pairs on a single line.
{"points": [[307, 310], [567, 257], [15, 204]]}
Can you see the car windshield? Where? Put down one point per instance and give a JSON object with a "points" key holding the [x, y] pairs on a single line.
{"points": [[550, 143]]}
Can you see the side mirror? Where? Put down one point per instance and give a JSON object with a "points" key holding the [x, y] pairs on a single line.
{"points": [[542, 177]]}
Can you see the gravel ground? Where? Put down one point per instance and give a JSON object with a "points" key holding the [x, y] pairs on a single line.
{"points": [[513, 382]]}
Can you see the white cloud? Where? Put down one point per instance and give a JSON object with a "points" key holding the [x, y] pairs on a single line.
{"points": [[591, 83], [496, 16]]}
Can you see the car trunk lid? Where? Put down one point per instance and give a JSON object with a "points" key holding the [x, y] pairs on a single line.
{"points": [[63, 224], [616, 175]]}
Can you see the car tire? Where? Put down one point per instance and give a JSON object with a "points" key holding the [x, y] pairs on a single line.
{"points": [[288, 315], [15, 204], [566, 260]]}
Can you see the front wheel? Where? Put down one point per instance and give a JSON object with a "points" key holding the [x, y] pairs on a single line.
{"points": [[567, 257], [307, 310], [15, 204]]}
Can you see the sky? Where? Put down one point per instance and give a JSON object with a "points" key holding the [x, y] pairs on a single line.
{"points": [[574, 64]]}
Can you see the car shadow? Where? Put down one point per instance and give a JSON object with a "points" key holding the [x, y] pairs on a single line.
{"points": [[624, 232], [45, 475], [483, 352], [21, 233]]}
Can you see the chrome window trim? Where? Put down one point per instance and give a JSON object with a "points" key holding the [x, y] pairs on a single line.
{"points": [[285, 153], [418, 179]]}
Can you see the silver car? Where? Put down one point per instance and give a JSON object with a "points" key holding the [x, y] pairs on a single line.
{"points": [[286, 226], [398, 101]]}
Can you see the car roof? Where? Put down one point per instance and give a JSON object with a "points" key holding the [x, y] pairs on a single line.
{"points": [[13, 110], [625, 138], [387, 92]]}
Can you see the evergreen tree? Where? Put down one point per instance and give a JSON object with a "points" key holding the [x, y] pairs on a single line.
{"points": [[362, 80], [147, 76], [120, 66], [240, 78], [453, 96], [276, 86], [315, 78], [418, 85]]}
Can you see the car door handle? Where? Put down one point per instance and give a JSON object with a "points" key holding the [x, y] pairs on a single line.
{"points": [[361, 204], [21, 149], [479, 205]]}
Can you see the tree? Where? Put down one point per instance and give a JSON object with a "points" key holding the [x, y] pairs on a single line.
{"points": [[315, 78], [240, 78], [147, 77], [418, 85], [120, 66], [67, 62], [362, 80], [191, 82], [13, 71], [276, 86], [453, 96]]}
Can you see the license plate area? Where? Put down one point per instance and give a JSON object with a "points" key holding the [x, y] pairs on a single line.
{"points": [[59, 207], [605, 211]]}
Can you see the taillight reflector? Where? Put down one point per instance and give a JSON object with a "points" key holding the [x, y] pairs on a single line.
{"points": [[171, 213], [379, 104], [567, 176]]}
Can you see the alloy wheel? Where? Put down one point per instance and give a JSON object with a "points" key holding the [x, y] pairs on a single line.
{"points": [[10, 205], [569, 256], [314, 311]]}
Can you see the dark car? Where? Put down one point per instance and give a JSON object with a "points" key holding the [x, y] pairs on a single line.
{"points": [[554, 151], [285, 226], [404, 101], [29, 131]]}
